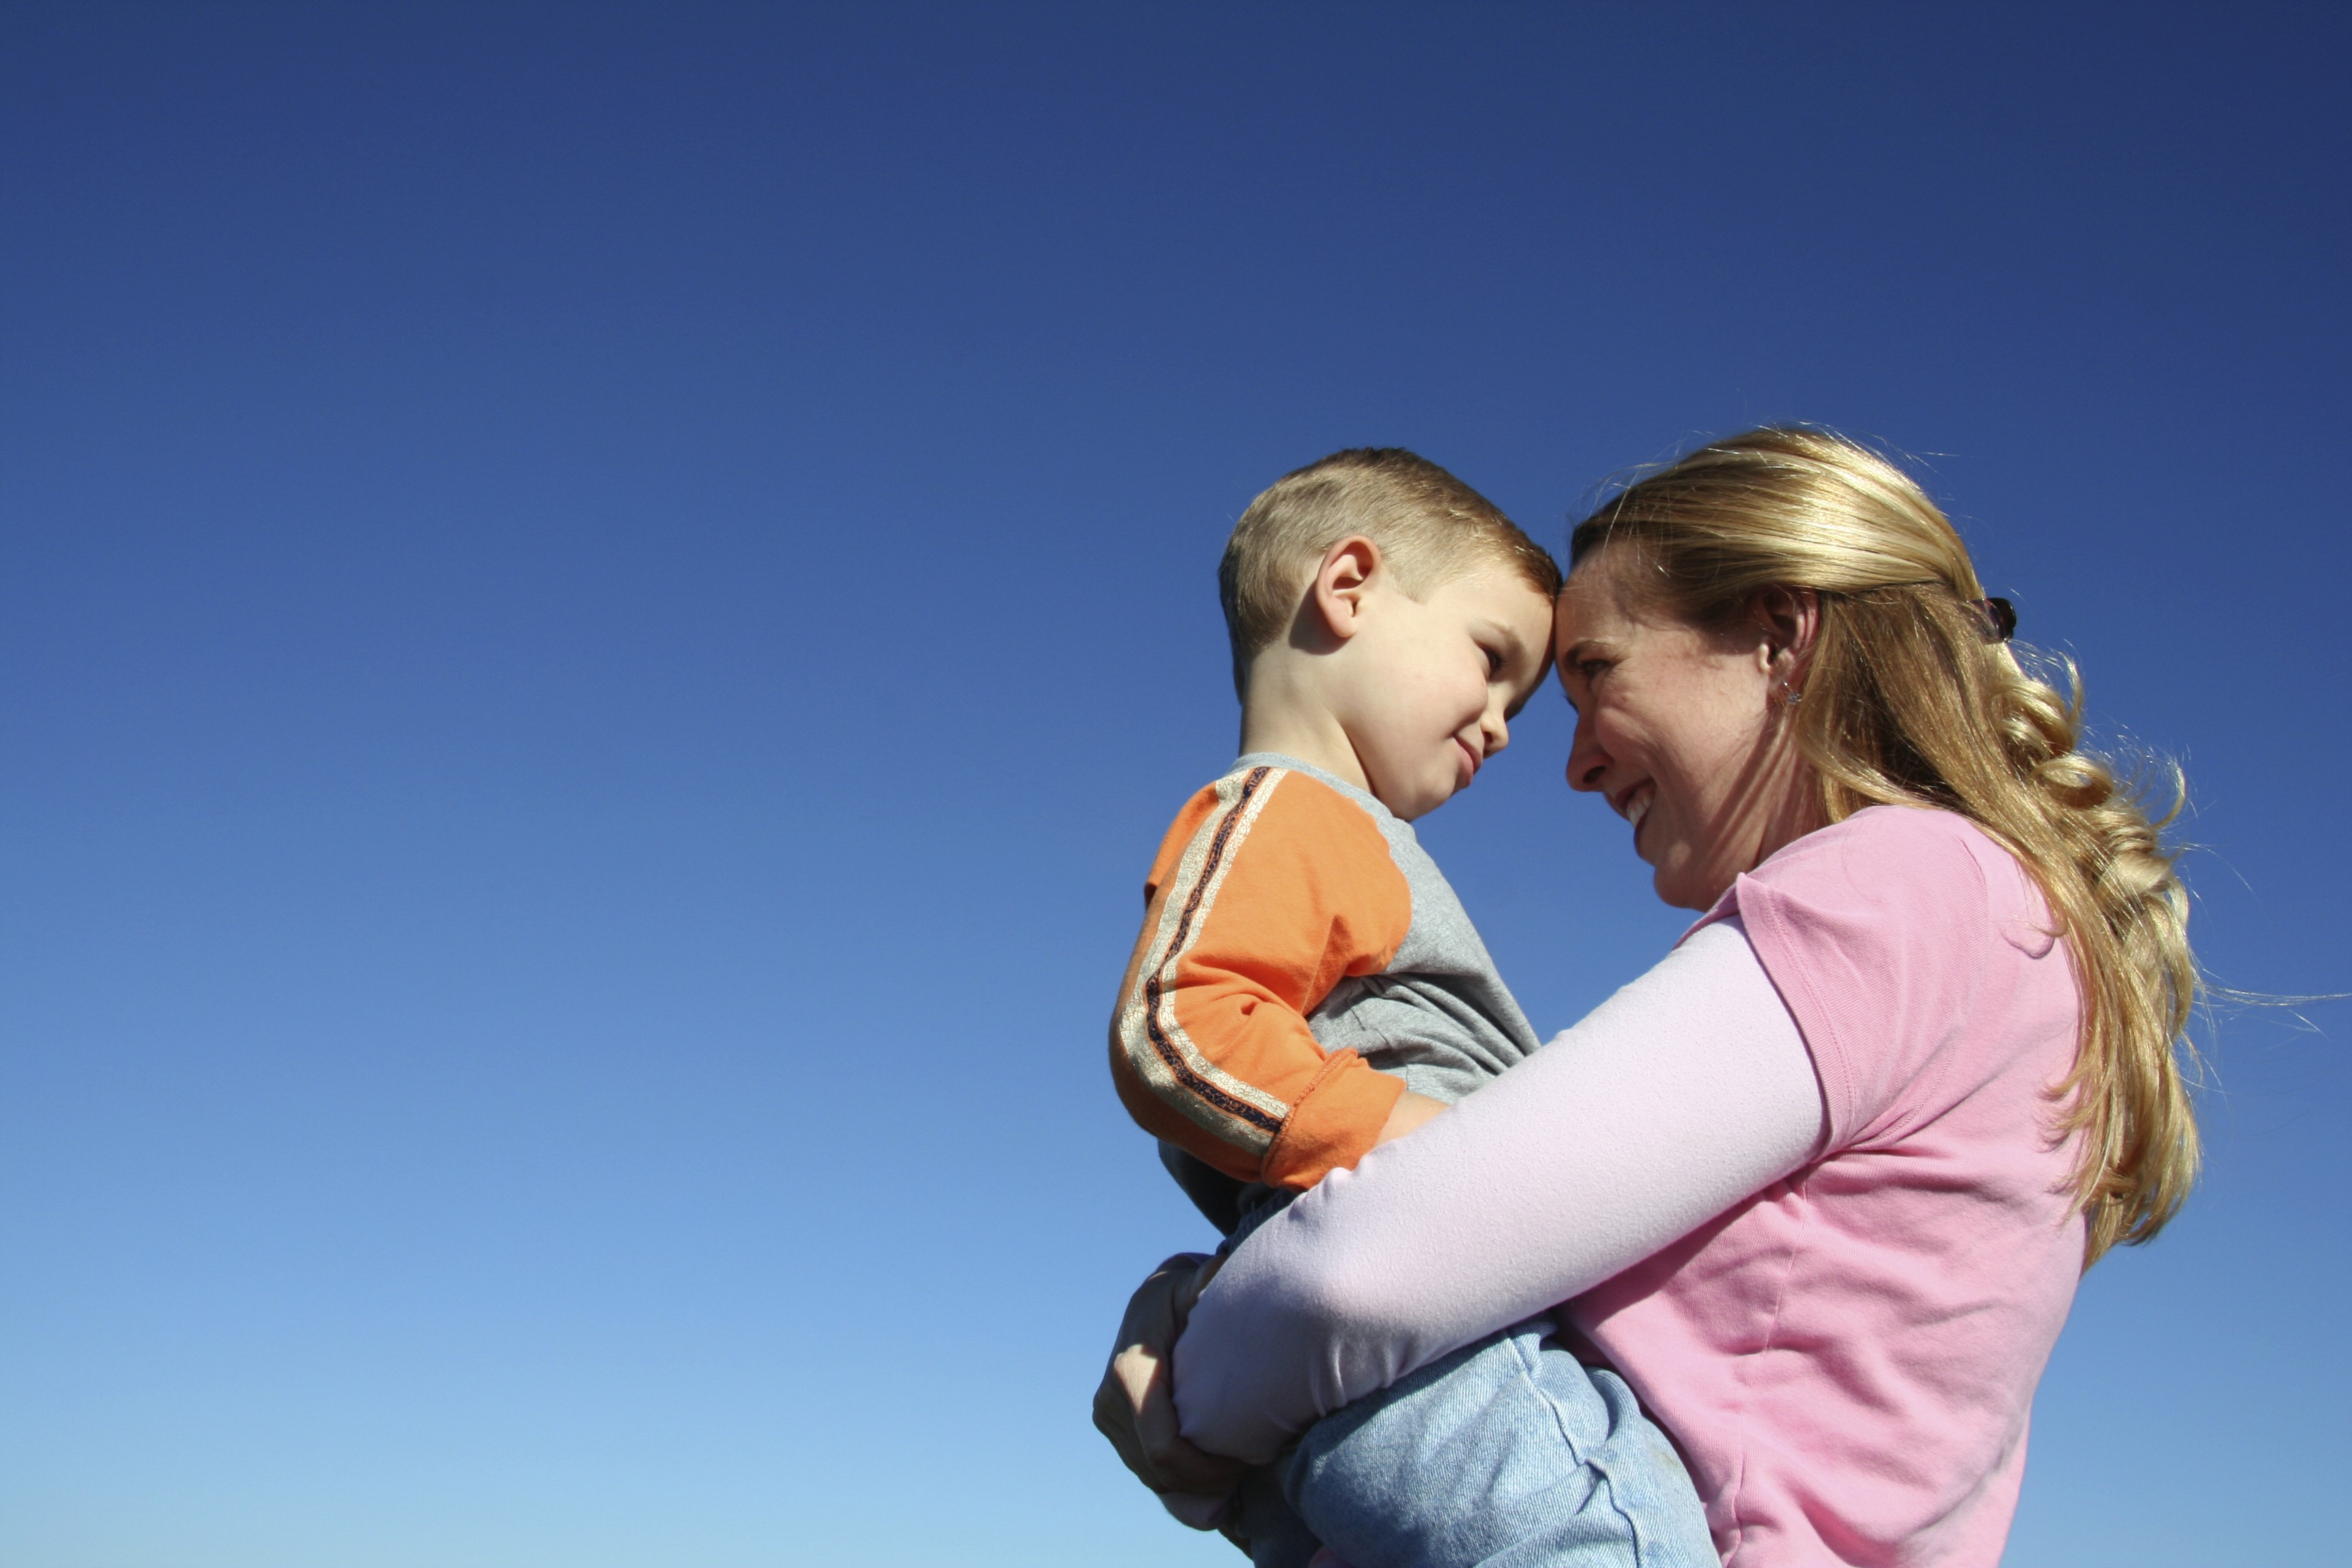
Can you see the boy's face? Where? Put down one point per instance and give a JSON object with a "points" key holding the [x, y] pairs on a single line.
{"points": [[1428, 687]]}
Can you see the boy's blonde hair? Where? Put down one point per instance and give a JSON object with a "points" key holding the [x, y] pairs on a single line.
{"points": [[1430, 528], [1910, 699]]}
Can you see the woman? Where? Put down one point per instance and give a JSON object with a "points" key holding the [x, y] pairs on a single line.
{"points": [[1819, 1185]]}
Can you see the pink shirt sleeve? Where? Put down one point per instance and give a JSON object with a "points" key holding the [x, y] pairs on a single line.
{"points": [[1686, 1091]]}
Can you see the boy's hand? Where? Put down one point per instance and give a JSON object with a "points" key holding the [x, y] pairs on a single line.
{"points": [[1409, 1112], [1135, 1408]]}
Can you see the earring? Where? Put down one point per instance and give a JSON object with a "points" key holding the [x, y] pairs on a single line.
{"points": [[1790, 695]]}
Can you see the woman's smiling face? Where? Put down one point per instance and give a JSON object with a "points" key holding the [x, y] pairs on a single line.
{"points": [[1682, 730]]}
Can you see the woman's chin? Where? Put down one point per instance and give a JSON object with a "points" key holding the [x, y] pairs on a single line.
{"points": [[1678, 884]]}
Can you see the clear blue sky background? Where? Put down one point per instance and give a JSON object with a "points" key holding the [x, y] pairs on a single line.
{"points": [[601, 607]]}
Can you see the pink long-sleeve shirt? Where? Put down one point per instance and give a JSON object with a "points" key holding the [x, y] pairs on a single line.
{"points": [[1836, 1288]]}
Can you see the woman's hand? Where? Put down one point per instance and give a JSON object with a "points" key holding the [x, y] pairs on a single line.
{"points": [[1136, 1406]]}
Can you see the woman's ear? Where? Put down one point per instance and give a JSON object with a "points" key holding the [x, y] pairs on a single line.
{"points": [[1342, 582], [1788, 624]]}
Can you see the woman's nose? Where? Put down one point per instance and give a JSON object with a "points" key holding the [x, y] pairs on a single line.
{"points": [[1585, 761]]}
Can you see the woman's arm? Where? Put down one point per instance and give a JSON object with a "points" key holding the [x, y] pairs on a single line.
{"points": [[1684, 1093]]}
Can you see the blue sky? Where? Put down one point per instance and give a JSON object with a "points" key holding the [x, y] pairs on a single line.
{"points": [[600, 608]]}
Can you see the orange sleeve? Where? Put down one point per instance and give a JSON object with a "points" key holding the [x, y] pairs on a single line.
{"points": [[1271, 887]]}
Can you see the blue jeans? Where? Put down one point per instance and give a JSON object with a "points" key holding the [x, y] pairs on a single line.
{"points": [[1509, 1453]]}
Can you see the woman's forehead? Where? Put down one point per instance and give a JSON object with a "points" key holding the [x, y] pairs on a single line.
{"points": [[1591, 604]]}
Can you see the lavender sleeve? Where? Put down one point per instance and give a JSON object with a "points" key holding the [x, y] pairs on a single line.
{"points": [[1686, 1091]]}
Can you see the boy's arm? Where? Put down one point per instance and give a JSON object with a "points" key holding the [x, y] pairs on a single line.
{"points": [[1411, 1109], [1271, 889]]}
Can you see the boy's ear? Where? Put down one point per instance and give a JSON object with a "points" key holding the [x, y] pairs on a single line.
{"points": [[1341, 583]]}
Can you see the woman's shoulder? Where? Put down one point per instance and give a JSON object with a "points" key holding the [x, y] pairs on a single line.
{"points": [[1908, 832], [1893, 881], [1915, 866], [1880, 931]]}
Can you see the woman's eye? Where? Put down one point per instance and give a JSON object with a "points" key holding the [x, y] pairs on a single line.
{"points": [[1494, 663]]}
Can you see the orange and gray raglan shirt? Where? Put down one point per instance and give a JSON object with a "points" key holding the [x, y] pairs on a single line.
{"points": [[1303, 962]]}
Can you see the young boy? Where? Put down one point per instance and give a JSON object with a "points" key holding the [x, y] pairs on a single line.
{"points": [[1306, 987]]}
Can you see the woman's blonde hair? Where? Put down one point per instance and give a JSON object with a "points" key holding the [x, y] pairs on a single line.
{"points": [[1908, 697]]}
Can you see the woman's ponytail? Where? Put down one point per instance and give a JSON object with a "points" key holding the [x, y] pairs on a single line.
{"points": [[2124, 908]]}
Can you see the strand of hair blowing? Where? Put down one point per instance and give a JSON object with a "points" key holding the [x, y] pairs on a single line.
{"points": [[1907, 702]]}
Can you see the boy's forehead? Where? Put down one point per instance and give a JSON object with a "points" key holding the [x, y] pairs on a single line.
{"points": [[1501, 590]]}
